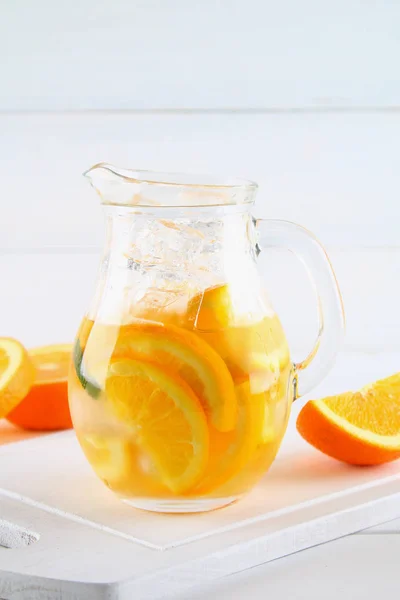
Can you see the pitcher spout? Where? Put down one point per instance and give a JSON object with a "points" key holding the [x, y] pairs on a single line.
{"points": [[98, 171], [106, 180], [126, 187]]}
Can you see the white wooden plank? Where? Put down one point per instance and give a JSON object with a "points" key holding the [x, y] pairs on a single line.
{"points": [[10, 434], [44, 297], [13, 536], [71, 550], [154, 54], [389, 527], [337, 174], [95, 556], [86, 555], [46, 476], [351, 567], [369, 282], [66, 559]]}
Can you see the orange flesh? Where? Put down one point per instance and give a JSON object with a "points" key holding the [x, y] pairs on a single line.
{"points": [[360, 427], [182, 352], [16, 374], [45, 407], [237, 375], [376, 406]]}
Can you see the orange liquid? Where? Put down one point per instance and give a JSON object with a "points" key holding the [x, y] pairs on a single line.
{"points": [[238, 452]]}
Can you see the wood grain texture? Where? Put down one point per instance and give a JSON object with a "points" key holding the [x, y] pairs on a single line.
{"points": [[71, 553], [308, 478], [337, 174], [10, 434], [154, 54], [351, 567], [44, 296], [76, 560], [12, 536], [268, 81]]}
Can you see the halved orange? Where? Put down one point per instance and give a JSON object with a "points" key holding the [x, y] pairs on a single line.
{"points": [[16, 374], [166, 418], [45, 407], [191, 358], [360, 428]]}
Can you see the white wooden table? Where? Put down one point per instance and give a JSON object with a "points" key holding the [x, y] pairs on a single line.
{"points": [[356, 566], [361, 566]]}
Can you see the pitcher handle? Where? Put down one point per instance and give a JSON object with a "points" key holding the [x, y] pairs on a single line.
{"points": [[331, 320]]}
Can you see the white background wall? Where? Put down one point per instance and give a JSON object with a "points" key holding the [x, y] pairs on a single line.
{"points": [[303, 97]]}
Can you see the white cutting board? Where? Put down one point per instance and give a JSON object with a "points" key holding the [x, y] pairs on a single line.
{"points": [[71, 538]]}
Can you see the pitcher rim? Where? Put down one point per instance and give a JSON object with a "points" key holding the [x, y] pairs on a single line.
{"points": [[176, 179]]}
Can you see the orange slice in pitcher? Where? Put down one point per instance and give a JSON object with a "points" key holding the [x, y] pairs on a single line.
{"points": [[191, 358], [16, 374], [167, 418], [230, 452], [238, 328], [212, 309], [45, 408], [108, 455]]}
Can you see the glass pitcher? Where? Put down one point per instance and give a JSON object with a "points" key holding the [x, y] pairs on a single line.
{"points": [[181, 383]]}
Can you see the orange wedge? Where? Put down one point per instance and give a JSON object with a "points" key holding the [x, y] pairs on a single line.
{"points": [[166, 418], [16, 374], [45, 407], [185, 354], [360, 428]]}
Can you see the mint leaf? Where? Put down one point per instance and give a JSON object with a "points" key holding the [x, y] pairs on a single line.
{"points": [[92, 388]]}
